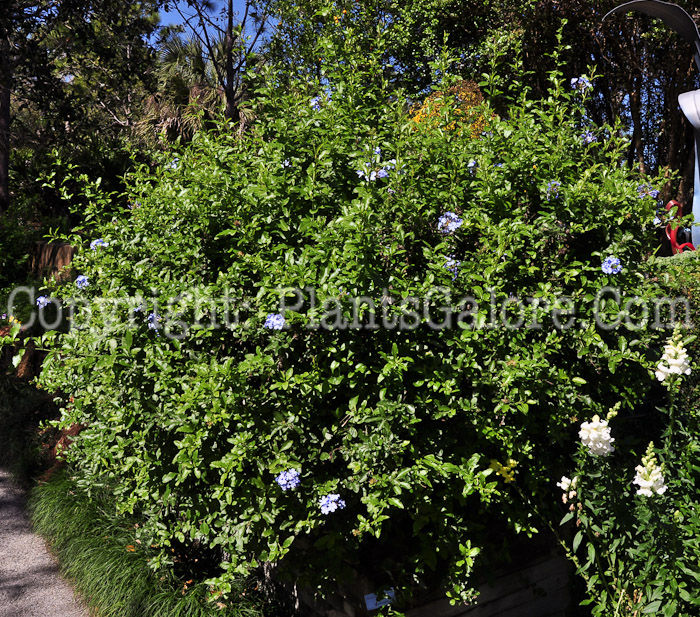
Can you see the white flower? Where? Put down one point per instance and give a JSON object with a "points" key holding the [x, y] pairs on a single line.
{"points": [[595, 435], [675, 360], [650, 477], [567, 484]]}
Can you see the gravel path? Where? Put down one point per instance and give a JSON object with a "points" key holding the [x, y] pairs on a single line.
{"points": [[30, 585]]}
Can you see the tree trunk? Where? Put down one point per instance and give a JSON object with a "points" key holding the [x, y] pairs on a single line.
{"points": [[230, 85], [5, 86], [635, 112]]}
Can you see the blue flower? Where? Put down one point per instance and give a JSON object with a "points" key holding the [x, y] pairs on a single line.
{"points": [[657, 221], [316, 103], [553, 189], [153, 320], [472, 165], [371, 175], [274, 321], [99, 242], [647, 190], [452, 265], [286, 163], [331, 503], [175, 163], [377, 150], [611, 265], [42, 301], [82, 281], [581, 83], [588, 138], [288, 479], [449, 222], [363, 173]]}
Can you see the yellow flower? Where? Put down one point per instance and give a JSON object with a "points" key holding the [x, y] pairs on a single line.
{"points": [[505, 471]]}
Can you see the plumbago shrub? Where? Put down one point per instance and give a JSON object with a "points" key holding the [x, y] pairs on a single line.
{"points": [[351, 342]]}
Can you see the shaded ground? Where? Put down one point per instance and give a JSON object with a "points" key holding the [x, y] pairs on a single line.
{"points": [[30, 584]]}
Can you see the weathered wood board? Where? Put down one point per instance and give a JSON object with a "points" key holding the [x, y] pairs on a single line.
{"points": [[540, 589]]}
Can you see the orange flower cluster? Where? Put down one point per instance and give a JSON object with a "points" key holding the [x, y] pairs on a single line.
{"points": [[464, 99]]}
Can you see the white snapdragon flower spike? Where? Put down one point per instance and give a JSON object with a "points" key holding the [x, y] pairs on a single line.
{"points": [[567, 484], [675, 360], [595, 435], [650, 476], [568, 487]]}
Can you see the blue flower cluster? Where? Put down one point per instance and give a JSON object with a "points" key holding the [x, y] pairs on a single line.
{"points": [[452, 265], [316, 103], [82, 281], [647, 190], [588, 138], [611, 265], [331, 503], [99, 242], [153, 320], [42, 302], [288, 479], [553, 189], [581, 83], [274, 321], [370, 175], [449, 223]]}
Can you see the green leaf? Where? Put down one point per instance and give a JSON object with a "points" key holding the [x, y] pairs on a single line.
{"points": [[652, 607], [567, 517], [577, 540]]}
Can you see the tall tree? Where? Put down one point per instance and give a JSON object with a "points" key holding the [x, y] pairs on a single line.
{"points": [[228, 39], [23, 25], [73, 65]]}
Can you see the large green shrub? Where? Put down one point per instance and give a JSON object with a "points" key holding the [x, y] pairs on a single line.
{"points": [[190, 421]]}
